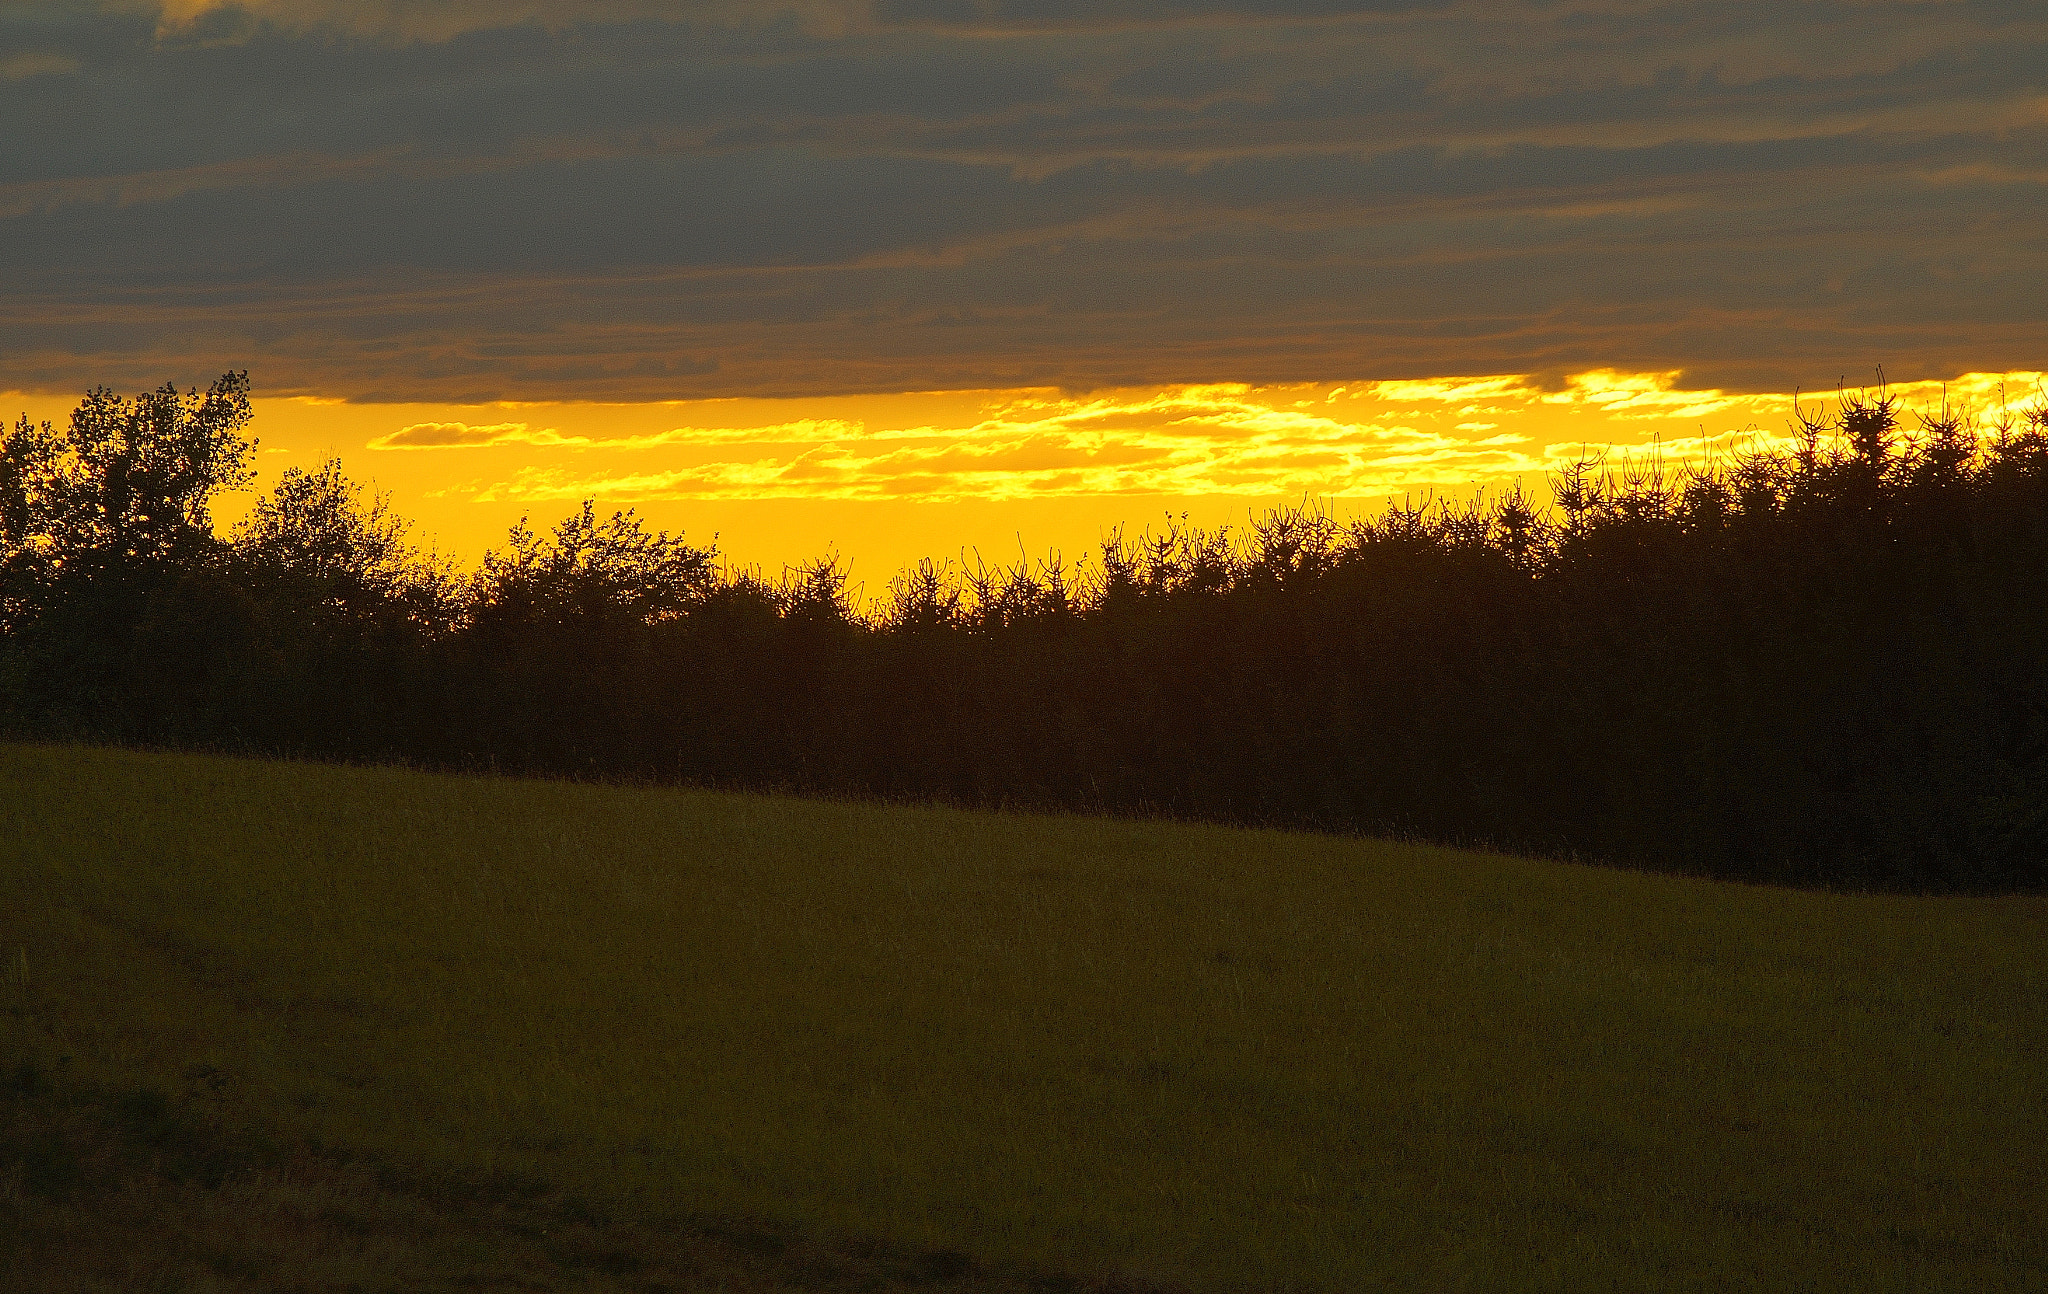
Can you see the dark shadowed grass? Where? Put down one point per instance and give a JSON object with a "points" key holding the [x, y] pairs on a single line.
{"points": [[1231, 1059], [126, 1192]]}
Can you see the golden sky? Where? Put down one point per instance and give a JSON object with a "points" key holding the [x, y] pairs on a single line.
{"points": [[886, 480], [1128, 256]]}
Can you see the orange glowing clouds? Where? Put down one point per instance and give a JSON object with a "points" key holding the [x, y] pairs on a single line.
{"points": [[676, 257], [887, 479]]}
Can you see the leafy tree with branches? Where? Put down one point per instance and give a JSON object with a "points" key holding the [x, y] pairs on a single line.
{"points": [[316, 540], [127, 481], [587, 570]]}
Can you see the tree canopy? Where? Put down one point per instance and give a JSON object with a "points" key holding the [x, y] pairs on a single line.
{"points": [[1826, 666]]}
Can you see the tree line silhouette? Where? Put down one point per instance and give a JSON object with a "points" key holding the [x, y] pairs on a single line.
{"points": [[1825, 666]]}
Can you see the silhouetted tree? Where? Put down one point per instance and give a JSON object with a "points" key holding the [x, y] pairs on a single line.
{"points": [[1827, 666], [128, 480]]}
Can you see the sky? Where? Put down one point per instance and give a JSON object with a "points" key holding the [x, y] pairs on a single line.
{"points": [[907, 278]]}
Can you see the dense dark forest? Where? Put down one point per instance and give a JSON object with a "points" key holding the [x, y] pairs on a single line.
{"points": [[1822, 667]]}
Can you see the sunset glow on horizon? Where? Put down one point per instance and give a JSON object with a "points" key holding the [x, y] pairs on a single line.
{"points": [[883, 481], [918, 278]]}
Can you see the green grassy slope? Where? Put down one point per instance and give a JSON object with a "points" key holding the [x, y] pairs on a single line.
{"points": [[1230, 1059]]}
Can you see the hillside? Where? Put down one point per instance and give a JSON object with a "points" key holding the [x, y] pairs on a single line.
{"points": [[271, 1025]]}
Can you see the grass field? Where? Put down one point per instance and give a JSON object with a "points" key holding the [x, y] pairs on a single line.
{"points": [[1222, 1059]]}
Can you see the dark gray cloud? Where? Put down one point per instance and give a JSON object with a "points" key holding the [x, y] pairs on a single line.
{"points": [[561, 199]]}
